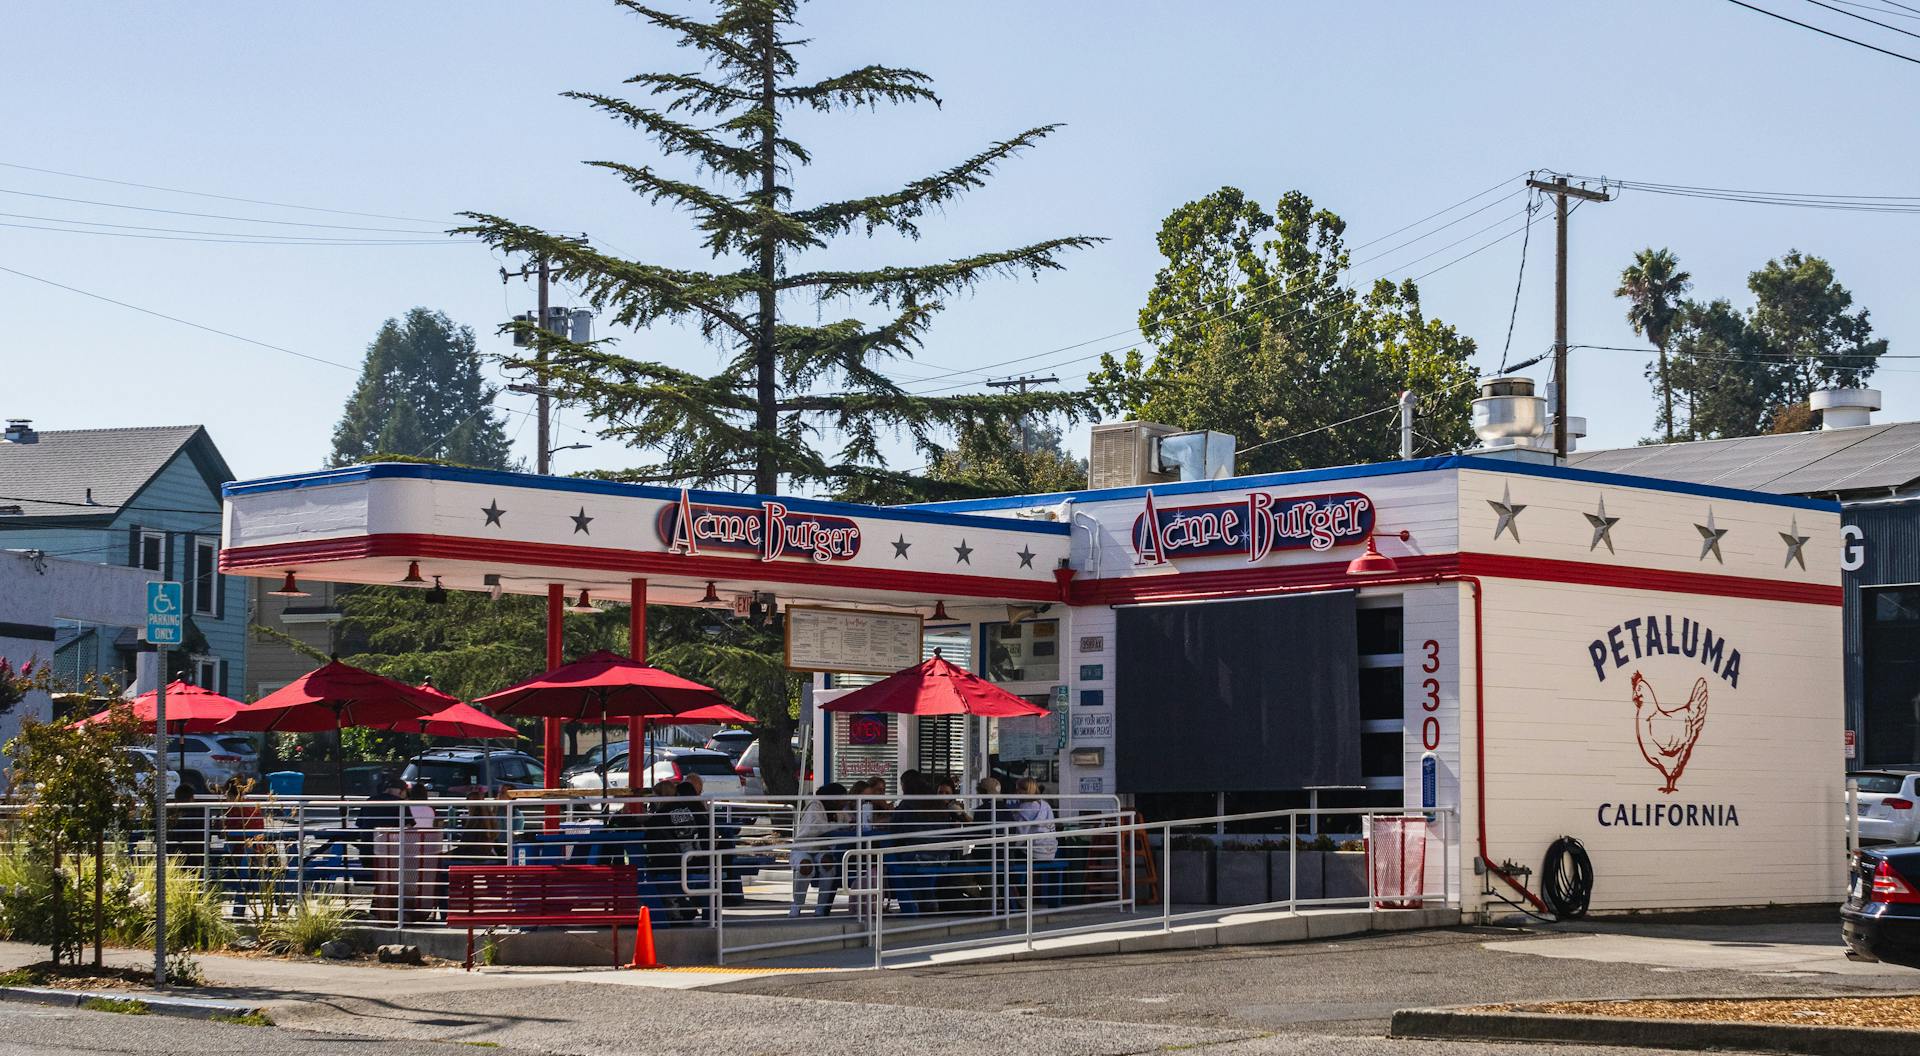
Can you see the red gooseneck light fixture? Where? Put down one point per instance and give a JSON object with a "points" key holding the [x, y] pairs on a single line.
{"points": [[939, 611], [583, 604], [712, 596], [413, 574], [289, 589], [1372, 563]]}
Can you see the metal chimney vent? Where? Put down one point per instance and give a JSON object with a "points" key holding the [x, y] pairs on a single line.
{"points": [[1845, 408], [20, 431]]}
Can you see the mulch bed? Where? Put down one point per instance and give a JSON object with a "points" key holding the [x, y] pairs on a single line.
{"points": [[1901, 1012], [79, 977]]}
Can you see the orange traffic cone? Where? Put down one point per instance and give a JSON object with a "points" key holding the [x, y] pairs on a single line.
{"points": [[643, 942]]}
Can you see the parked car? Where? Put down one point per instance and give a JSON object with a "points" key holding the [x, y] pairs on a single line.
{"points": [[752, 782], [715, 770], [732, 742], [204, 763], [458, 771], [590, 761], [143, 767], [244, 746], [1889, 806], [1880, 920]]}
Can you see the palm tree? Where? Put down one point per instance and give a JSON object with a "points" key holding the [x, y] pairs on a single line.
{"points": [[1653, 284]]}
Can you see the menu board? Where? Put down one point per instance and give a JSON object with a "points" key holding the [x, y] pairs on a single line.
{"points": [[852, 641]]}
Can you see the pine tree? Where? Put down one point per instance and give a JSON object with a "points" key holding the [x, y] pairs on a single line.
{"points": [[421, 394], [783, 385]]}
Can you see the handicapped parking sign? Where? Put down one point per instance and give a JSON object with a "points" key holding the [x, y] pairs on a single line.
{"points": [[164, 618]]}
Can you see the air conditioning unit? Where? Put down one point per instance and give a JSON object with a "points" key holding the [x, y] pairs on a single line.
{"points": [[1122, 455]]}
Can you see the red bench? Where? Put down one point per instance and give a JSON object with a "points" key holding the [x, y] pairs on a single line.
{"points": [[492, 896]]}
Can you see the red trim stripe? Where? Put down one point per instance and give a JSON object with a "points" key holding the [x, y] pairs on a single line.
{"points": [[1170, 586], [629, 563], [1332, 575]]}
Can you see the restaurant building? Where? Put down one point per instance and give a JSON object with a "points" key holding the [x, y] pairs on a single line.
{"points": [[1531, 650]]}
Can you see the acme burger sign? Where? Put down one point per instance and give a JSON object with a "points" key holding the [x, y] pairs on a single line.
{"points": [[1255, 526], [770, 531]]}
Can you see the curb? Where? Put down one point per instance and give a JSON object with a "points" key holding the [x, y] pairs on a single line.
{"points": [[157, 1004], [1465, 1025]]}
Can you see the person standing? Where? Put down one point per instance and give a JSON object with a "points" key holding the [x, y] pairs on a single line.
{"points": [[825, 816]]}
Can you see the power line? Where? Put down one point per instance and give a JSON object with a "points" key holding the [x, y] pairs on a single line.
{"points": [[1250, 305], [174, 318], [1824, 32], [981, 370], [216, 216], [1519, 279], [105, 507], [1863, 18], [220, 197], [279, 241], [1876, 10]]}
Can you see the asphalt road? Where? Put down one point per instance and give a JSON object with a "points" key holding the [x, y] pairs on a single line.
{"points": [[1348, 987], [1308, 999], [27, 1031]]}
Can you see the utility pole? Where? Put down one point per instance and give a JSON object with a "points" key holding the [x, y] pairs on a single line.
{"points": [[1561, 191], [1022, 383], [543, 395]]}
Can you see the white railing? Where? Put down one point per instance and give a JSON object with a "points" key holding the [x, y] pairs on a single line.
{"points": [[1434, 883], [385, 862]]}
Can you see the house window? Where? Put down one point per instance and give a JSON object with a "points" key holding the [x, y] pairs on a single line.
{"points": [[206, 672], [153, 551], [206, 578]]}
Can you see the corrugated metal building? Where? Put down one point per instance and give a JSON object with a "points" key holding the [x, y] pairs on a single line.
{"points": [[1874, 471]]}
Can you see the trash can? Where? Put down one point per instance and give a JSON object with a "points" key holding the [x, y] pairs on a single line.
{"points": [[286, 782]]}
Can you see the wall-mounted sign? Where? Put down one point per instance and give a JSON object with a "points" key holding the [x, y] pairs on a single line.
{"points": [[1255, 526], [1093, 698], [1093, 643], [868, 729], [1093, 785], [1092, 672], [769, 531], [1093, 726], [852, 641]]}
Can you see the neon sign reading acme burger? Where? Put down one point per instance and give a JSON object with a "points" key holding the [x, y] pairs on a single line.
{"points": [[771, 532], [1255, 526]]}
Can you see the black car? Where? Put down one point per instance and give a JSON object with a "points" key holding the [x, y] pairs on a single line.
{"points": [[1881, 918], [457, 771]]}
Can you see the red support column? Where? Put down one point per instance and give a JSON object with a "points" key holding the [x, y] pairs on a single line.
{"points": [[556, 622], [637, 648]]}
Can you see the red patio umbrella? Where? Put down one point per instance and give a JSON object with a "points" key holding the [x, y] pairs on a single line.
{"points": [[935, 688], [332, 697], [606, 685], [455, 719], [190, 709]]}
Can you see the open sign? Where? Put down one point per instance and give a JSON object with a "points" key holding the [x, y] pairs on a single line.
{"points": [[868, 729]]}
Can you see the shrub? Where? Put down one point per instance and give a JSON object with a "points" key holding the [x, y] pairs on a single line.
{"points": [[124, 1006], [306, 926], [194, 918]]}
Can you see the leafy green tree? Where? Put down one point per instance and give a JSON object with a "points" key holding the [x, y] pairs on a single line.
{"points": [[785, 380], [421, 393], [1742, 374], [995, 460], [81, 786], [1653, 286], [1255, 334]]}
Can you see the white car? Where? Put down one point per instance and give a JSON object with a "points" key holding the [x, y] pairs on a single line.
{"points": [[715, 769], [144, 768], [207, 764], [1889, 806]]}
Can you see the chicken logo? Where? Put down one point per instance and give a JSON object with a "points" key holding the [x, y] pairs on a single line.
{"points": [[1667, 735]]}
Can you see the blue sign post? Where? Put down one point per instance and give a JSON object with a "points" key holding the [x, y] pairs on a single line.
{"points": [[166, 625]]}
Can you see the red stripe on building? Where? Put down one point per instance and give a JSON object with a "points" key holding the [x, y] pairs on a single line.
{"points": [[628, 563], [1332, 575]]}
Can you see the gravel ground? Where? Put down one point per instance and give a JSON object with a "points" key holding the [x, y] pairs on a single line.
{"points": [[1902, 1012]]}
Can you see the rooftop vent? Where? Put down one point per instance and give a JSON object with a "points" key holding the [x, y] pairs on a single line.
{"points": [[1129, 454], [1509, 415], [1845, 408], [20, 431]]}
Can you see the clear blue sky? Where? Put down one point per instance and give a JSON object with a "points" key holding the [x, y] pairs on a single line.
{"points": [[1382, 112]]}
